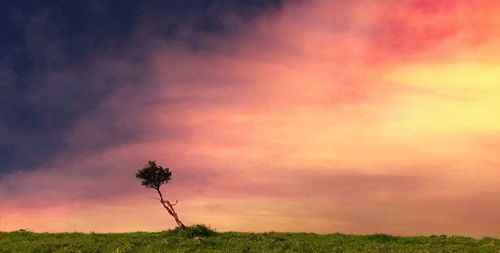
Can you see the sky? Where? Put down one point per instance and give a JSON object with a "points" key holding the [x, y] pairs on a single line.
{"points": [[317, 116]]}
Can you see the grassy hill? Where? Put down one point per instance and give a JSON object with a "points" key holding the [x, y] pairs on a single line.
{"points": [[202, 240]]}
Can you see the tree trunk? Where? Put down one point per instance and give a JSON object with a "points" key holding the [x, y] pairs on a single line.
{"points": [[176, 217], [170, 209]]}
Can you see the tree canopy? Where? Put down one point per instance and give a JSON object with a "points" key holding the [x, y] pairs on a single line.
{"points": [[153, 175]]}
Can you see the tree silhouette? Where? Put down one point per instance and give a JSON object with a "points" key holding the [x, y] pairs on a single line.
{"points": [[154, 176]]}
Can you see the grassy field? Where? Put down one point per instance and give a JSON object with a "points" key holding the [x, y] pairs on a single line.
{"points": [[200, 240]]}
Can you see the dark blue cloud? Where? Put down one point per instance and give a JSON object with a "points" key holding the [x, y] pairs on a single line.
{"points": [[50, 49]]}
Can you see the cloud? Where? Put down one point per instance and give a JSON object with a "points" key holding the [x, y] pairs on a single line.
{"points": [[6, 76], [298, 119]]}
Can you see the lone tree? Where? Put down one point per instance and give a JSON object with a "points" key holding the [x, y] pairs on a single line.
{"points": [[154, 176]]}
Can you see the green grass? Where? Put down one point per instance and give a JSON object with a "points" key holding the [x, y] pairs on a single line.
{"points": [[200, 239]]}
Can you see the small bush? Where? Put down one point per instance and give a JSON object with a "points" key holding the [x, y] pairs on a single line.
{"points": [[381, 238], [198, 230]]}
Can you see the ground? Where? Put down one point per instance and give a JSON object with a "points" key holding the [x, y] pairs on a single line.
{"points": [[178, 241]]}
